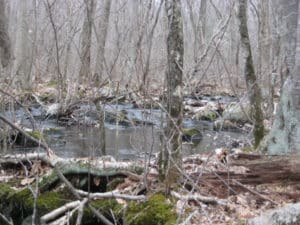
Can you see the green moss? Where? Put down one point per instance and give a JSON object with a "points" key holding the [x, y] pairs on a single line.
{"points": [[110, 208], [209, 115], [248, 149], [22, 203], [190, 131], [52, 83], [5, 192], [36, 134], [155, 211]]}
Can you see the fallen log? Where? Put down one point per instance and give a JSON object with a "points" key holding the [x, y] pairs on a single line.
{"points": [[249, 169]]}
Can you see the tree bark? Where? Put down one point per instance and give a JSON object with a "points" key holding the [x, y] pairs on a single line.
{"points": [[170, 156], [23, 48], [250, 76], [284, 136], [86, 41], [101, 37], [264, 48], [5, 46]]}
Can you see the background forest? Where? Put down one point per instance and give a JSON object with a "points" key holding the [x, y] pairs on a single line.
{"points": [[91, 43], [188, 95]]}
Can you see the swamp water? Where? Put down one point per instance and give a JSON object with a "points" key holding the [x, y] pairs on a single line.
{"points": [[122, 142]]}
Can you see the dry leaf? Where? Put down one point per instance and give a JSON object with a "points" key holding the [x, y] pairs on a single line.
{"points": [[97, 181], [27, 181]]}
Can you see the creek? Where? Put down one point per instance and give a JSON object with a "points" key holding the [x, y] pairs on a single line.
{"points": [[124, 142]]}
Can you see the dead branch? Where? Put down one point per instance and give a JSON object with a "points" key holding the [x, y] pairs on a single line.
{"points": [[23, 106], [40, 142], [198, 197], [112, 194], [74, 192], [59, 211], [80, 211], [6, 220]]}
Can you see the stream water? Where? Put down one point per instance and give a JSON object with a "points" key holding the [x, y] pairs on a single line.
{"points": [[123, 142]]}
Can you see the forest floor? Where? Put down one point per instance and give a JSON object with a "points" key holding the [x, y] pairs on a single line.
{"points": [[227, 186], [220, 188]]}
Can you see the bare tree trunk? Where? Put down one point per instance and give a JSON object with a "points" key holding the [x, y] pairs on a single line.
{"points": [[170, 156], [86, 41], [5, 46], [264, 48], [250, 77], [23, 47], [101, 37], [284, 136], [203, 17]]}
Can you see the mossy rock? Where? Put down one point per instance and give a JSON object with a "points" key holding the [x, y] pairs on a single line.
{"points": [[192, 135], [5, 192], [207, 114], [155, 211], [226, 125], [22, 203]]}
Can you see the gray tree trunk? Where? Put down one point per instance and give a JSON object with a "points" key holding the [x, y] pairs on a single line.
{"points": [[170, 156], [250, 76], [5, 46], [264, 47], [23, 47], [86, 41], [284, 136], [101, 37]]}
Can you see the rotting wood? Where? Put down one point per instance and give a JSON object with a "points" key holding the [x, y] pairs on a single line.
{"points": [[255, 170]]}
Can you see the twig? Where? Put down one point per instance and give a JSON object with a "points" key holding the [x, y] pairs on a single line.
{"points": [[24, 107], [74, 192], [111, 194], [40, 142], [198, 197], [80, 211], [5, 220]]}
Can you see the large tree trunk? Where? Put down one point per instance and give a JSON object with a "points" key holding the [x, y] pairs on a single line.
{"points": [[284, 136], [5, 47], [23, 47], [101, 37], [86, 41], [264, 47], [250, 77], [170, 157]]}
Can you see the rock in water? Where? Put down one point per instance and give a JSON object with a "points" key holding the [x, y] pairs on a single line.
{"points": [[192, 135]]}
